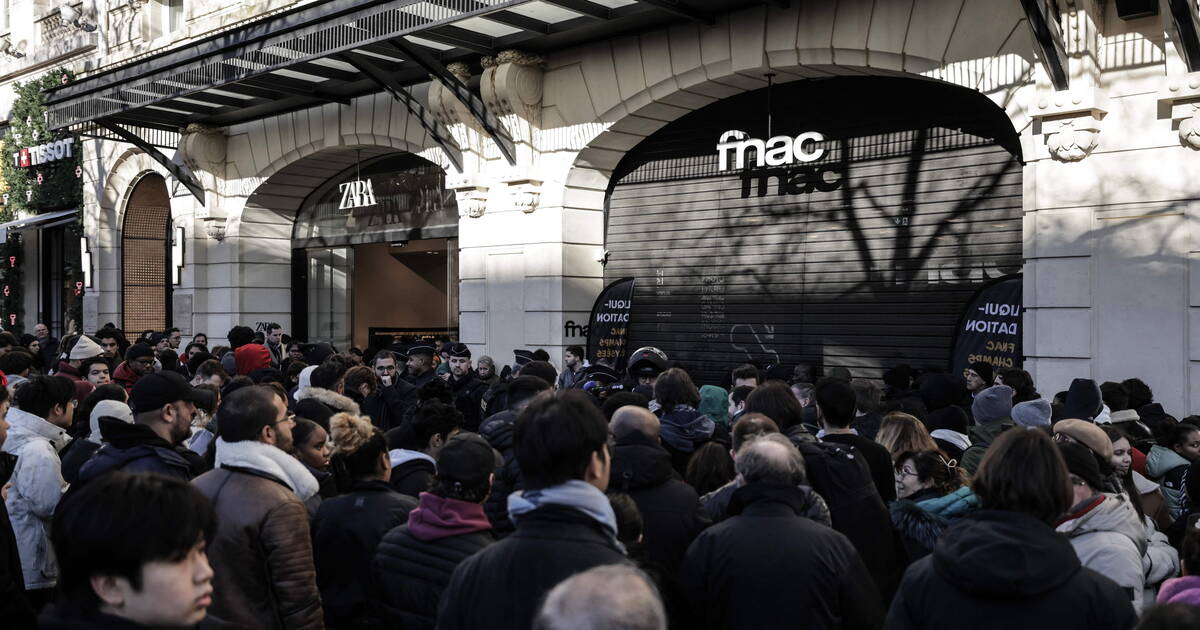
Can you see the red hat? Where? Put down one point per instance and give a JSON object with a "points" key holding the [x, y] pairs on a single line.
{"points": [[250, 357]]}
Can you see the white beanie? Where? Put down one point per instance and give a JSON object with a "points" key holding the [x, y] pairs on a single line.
{"points": [[108, 409], [305, 380], [85, 348]]}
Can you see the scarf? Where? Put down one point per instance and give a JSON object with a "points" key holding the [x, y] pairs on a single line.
{"points": [[268, 459], [575, 494]]}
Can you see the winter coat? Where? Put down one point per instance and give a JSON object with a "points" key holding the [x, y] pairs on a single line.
{"points": [[982, 436], [671, 512], [683, 431], [549, 545], [75, 455], [1109, 539], [867, 424], [878, 459], [15, 608], [37, 487], [69, 616], [414, 561], [1170, 470], [921, 518], [346, 532], [812, 506], [1181, 590], [134, 448], [1154, 504], [334, 401], [1159, 562], [261, 554], [389, 406], [468, 399], [498, 431], [411, 473], [569, 379], [125, 377], [998, 570], [768, 567]]}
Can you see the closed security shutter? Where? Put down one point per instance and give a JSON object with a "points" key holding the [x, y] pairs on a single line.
{"points": [[863, 259], [144, 257]]}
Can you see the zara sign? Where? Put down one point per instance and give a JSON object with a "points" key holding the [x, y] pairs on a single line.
{"points": [[356, 193], [775, 151]]}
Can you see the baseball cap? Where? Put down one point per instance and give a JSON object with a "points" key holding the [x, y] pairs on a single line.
{"points": [[156, 389], [467, 458]]}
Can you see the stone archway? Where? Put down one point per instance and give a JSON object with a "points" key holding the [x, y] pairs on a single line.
{"points": [[146, 256]]}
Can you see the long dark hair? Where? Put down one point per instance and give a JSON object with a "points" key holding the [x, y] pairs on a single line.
{"points": [[709, 468], [1135, 498]]}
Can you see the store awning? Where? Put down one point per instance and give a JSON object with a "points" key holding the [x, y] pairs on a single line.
{"points": [[337, 50], [48, 219]]}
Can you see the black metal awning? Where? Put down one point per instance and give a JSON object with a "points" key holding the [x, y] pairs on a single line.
{"points": [[338, 50]]}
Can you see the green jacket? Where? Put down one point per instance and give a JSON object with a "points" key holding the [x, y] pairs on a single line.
{"points": [[982, 436]]}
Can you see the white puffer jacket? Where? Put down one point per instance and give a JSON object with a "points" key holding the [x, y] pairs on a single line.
{"points": [[37, 486], [1110, 540]]}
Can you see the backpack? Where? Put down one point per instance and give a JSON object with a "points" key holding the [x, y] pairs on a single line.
{"points": [[837, 473]]}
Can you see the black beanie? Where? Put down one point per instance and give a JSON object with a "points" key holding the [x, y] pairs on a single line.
{"points": [[952, 418], [942, 390], [137, 351], [984, 370], [1081, 463], [1083, 400]]}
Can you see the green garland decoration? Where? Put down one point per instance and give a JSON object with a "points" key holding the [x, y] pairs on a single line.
{"points": [[47, 187]]}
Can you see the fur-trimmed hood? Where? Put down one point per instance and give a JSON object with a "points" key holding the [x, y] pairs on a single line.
{"points": [[329, 398], [925, 520]]}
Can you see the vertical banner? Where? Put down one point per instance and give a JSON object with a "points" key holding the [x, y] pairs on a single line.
{"points": [[989, 329], [608, 325]]}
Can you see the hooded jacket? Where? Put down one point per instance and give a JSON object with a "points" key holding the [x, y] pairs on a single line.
{"points": [[1109, 539], [125, 377], [671, 512], [683, 431], [412, 471], [1181, 590], [768, 567], [1000, 570], [982, 436], [414, 562], [336, 402], [134, 448], [37, 487], [921, 518], [15, 608], [1170, 470], [346, 532]]}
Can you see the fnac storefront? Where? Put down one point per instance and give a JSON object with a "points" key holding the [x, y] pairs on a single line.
{"points": [[817, 221]]}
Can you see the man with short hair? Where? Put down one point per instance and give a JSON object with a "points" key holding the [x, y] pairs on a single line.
{"points": [[96, 371], [82, 350], [395, 397], [210, 372], [163, 406], [139, 361], [745, 374], [574, 372], [16, 365], [274, 344], [112, 344], [238, 336], [132, 553], [641, 467], [836, 403], [262, 551], [769, 567], [48, 345], [737, 402], [420, 364], [498, 430], [174, 338], [414, 446], [601, 598], [468, 390], [564, 521]]}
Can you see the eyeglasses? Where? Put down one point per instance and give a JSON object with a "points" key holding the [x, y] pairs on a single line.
{"points": [[385, 368], [906, 472]]}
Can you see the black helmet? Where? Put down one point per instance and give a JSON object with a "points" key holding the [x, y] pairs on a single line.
{"points": [[648, 361]]}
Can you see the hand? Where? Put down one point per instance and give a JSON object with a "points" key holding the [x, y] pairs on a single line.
{"points": [[445, 377], [386, 381], [4, 492]]}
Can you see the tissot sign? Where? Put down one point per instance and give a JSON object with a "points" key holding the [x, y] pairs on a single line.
{"points": [[775, 151], [42, 153]]}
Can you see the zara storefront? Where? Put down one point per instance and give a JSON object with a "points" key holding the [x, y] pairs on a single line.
{"points": [[963, 142]]}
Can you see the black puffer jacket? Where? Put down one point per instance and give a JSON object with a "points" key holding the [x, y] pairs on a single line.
{"points": [[468, 399], [501, 587], [767, 567], [671, 513], [998, 569], [413, 476], [498, 431], [346, 532], [135, 448]]}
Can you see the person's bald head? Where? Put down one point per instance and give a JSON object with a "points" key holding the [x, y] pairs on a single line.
{"points": [[633, 419], [770, 458], [602, 598]]}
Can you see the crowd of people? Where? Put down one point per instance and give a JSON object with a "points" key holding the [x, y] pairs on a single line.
{"points": [[272, 483]]}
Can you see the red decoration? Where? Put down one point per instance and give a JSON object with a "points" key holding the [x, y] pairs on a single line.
{"points": [[12, 319], [78, 171], [12, 261], [78, 289], [7, 290]]}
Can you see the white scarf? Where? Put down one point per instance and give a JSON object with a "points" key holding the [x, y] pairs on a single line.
{"points": [[271, 460]]}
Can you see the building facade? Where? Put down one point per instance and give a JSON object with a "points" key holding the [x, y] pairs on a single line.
{"points": [[1074, 165]]}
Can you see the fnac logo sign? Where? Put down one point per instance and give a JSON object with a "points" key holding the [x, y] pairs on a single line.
{"points": [[775, 151]]}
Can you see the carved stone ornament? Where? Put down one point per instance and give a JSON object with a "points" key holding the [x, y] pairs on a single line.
{"points": [[1182, 96], [1070, 122], [471, 194], [215, 230], [202, 149]]}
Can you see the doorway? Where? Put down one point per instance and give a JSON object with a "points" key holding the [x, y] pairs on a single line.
{"points": [[146, 256]]}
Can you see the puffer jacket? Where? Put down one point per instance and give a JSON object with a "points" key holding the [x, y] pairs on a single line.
{"points": [[498, 431], [813, 506], [1160, 562], [1109, 539], [1169, 469], [37, 487], [921, 518], [134, 448], [262, 554]]}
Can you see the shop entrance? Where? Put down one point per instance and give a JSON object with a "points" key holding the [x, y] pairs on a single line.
{"points": [[375, 252], [146, 256]]}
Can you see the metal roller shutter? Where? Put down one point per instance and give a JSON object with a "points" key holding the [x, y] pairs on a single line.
{"points": [[866, 275], [144, 257]]}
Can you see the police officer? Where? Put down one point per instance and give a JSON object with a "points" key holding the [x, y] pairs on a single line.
{"points": [[468, 389]]}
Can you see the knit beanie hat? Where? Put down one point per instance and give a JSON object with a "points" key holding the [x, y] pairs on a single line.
{"points": [[984, 370], [952, 418], [1083, 400], [137, 351], [1087, 434], [1082, 464], [1032, 413], [941, 390], [85, 348], [992, 404]]}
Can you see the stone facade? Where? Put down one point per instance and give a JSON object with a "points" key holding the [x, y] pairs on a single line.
{"points": [[1112, 241]]}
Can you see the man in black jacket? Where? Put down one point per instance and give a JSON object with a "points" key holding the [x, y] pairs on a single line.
{"points": [[564, 522], [836, 403], [395, 398], [414, 561], [671, 513], [769, 567], [468, 390], [498, 430], [163, 406]]}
